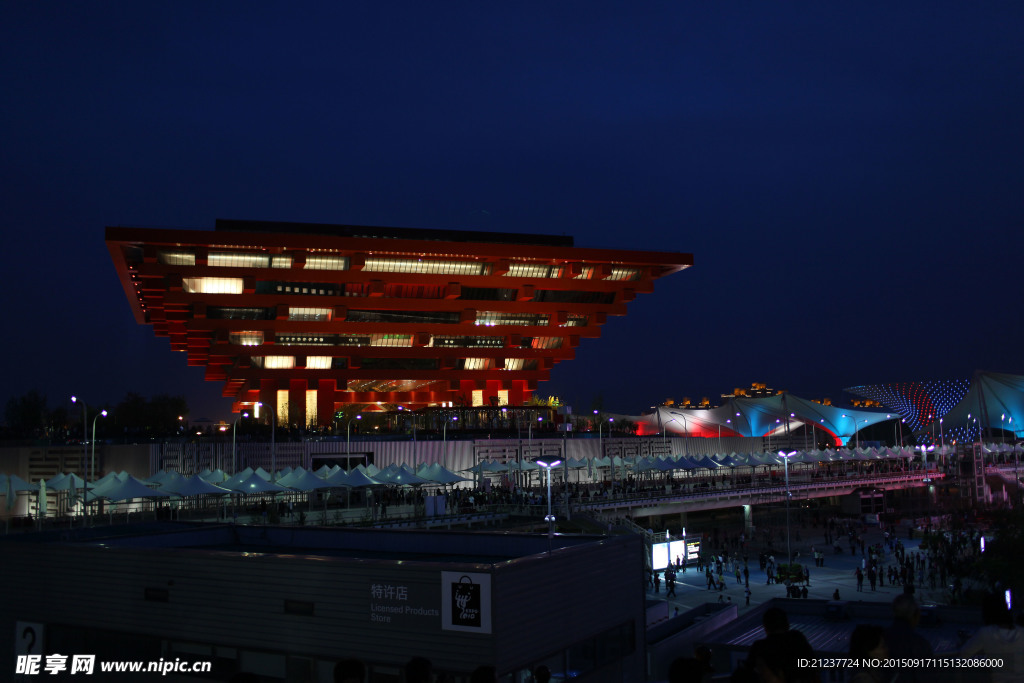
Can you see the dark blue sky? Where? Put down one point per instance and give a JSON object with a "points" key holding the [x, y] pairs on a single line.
{"points": [[848, 176]]}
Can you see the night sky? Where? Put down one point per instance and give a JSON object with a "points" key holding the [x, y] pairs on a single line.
{"points": [[848, 176]]}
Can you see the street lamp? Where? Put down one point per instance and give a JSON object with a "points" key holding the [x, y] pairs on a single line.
{"points": [[529, 432], [444, 429], [664, 430], [856, 433], [686, 431], [600, 426], [234, 428], [85, 453], [92, 466], [550, 518], [444, 439], [785, 464], [348, 433], [273, 430], [777, 421]]}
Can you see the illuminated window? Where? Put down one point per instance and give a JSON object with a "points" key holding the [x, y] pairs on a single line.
{"points": [[304, 340], [228, 259], [502, 318], [177, 258], [477, 363], [520, 363], [532, 270], [310, 406], [390, 340], [246, 338], [478, 397], [274, 361], [460, 342], [326, 263], [386, 265], [307, 288], [282, 406], [546, 343], [213, 285], [576, 320], [319, 362], [310, 314], [585, 274], [624, 273], [280, 261], [503, 397]]}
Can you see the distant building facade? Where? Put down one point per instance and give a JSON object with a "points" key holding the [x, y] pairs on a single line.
{"points": [[308, 318]]}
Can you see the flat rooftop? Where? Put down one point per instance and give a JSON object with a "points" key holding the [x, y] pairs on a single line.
{"points": [[380, 232], [400, 545]]}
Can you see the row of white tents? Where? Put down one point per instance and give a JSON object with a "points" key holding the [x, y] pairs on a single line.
{"points": [[117, 487]]}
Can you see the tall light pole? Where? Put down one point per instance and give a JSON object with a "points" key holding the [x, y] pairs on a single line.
{"points": [[234, 428], [348, 433], [664, 430], [92, 466], [550, 518], [529, 432], [600, 426], [776, 426], [444, 440], [273, 440], [785, 464], [686, 430], [686, 434], [856, 433], [895, 426], [85, 453], [600, 446]]}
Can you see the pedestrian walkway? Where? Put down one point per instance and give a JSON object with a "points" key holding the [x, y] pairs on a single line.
{"points": [[837, 574]]}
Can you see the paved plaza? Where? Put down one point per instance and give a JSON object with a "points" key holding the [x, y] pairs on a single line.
{"points": [[837, 574]]}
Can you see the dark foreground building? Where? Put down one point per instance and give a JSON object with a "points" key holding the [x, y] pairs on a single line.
{"points": [[308, 318], [287, 603]]}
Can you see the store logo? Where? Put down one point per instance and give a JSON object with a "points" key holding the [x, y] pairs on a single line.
{"points": [[466, 602]]}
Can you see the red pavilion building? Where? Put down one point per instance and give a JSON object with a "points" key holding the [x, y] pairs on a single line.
{"points": [[307, 318]]}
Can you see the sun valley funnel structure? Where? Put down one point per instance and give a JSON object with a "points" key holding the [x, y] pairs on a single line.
{"points": [[309, 318]]}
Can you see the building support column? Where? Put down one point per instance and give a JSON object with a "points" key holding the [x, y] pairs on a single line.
{"points": [[296, 403], [748, 519], [268, 394], [325, 402]]}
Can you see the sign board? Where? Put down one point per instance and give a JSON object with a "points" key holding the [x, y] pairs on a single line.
{"points": [[466, 602]]}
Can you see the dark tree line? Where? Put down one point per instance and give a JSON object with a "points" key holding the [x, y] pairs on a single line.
{"points": [[30, 417]]}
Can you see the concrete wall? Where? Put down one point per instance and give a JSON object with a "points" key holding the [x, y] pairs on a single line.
{"points": [[236, 596]]}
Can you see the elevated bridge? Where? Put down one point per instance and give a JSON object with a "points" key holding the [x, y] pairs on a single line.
{"points": [[649, 503]]}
